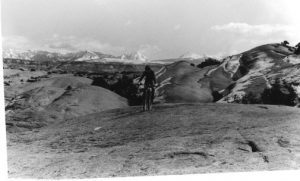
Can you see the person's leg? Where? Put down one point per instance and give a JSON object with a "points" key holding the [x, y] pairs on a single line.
{"points": [[148, 99], [144, 99], [152, 94]]}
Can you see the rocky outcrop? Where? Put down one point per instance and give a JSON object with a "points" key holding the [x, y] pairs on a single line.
{"points": [[181, 82], [257, 69], [56, 99], [172, 139], [241, 78]]}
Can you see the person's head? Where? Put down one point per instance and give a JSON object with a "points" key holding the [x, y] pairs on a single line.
{"points": [[147, 68]]}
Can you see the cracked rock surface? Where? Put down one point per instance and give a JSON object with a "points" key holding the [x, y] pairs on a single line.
{"points": [[171, 139]]}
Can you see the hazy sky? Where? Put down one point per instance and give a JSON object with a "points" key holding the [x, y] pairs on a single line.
{"points": [[157, 28]]}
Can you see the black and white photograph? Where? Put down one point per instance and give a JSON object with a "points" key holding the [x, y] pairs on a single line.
{"points": [[143, 88]]}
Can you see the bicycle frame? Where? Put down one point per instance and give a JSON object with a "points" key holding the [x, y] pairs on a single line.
{"points": [[147, 103]]}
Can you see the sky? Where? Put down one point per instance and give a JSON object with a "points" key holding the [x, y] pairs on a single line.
{"points": [[157, 28]]}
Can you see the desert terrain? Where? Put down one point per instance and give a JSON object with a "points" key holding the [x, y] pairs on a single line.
{"points": [[79, 115]]}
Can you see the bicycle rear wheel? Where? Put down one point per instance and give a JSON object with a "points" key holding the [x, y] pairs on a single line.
{"points": [[145, 97], [149, 99]]}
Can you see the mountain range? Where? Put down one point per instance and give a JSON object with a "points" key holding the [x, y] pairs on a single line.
{"points": [[95, 56], [79, 56]]}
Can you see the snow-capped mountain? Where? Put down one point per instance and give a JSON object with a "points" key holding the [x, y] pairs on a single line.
{"points": [[80, 56], [191, 56], [18, 54], [87, 56], [134, 56]]}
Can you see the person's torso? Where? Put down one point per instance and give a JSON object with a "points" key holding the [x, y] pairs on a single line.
{"points": [[149, 77]]}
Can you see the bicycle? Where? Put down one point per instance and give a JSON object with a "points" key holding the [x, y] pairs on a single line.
{"points": [[147, 98]]}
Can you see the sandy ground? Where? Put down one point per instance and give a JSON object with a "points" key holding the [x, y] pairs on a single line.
{"points": [[171, 139]]}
